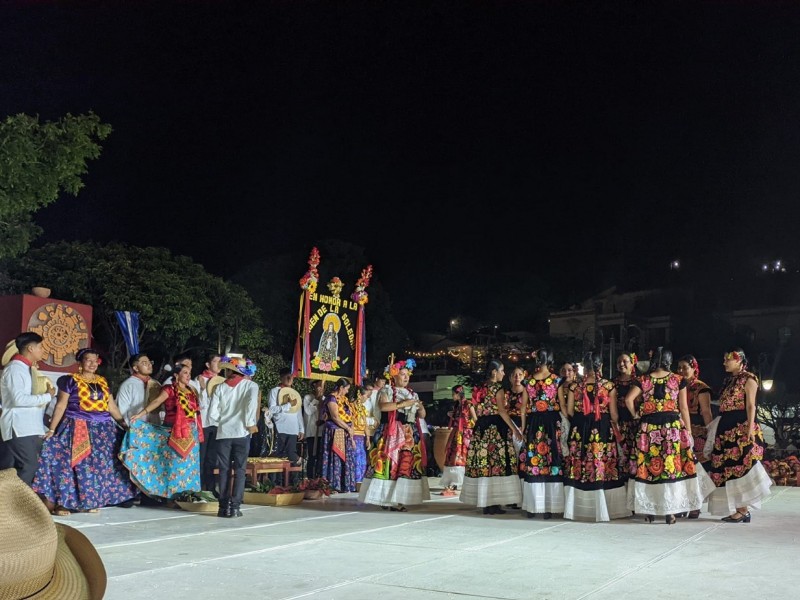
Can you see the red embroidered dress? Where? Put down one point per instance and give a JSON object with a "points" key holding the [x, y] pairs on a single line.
{"points": [[627, 429], [541, 458]]}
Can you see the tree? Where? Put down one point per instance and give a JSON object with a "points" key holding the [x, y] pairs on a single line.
{"points": [[39, 161], [182, 307]]}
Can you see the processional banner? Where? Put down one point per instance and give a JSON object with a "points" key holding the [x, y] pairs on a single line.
{"points": [[330, 329]]}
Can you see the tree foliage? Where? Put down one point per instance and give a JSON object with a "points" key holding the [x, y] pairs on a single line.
{"points": [[182, 307], [38, 162]]}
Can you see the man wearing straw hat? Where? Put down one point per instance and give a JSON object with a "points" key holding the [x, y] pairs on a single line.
{"points": [[25, 398], [234, 410], [40, 559]]}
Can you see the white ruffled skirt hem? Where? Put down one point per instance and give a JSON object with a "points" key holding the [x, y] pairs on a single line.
{"points": [[542, 497], [660, 499], [595, 505], [749, 491], [489, 491], [386, 492]]}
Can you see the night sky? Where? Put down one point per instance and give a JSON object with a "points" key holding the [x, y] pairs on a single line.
{"points": [[567, 145]]}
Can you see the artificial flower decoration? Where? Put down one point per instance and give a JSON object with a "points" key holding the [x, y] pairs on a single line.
{"points": [[245, 366], [360, 294], [335, 286], [393, 370], [733, 356], [309, 281]]}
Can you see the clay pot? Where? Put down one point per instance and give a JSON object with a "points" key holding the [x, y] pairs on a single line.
{"points": [[41, 292]]}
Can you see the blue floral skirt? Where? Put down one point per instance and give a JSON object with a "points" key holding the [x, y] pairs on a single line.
{"points": [[359, 457], [340, 473], [98, 480], [154, 466]]}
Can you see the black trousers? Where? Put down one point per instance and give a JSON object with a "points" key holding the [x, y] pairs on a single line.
{"points": [[313, 447], [286, 446], [22, 453], [208, 459], [232, 453]]}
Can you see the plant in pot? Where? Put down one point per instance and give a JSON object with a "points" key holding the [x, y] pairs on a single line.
{"points": [[269, 494], [316, 488], [197, 501]]}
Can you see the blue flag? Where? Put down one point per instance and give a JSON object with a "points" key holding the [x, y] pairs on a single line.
{"points": [[129, 324]]}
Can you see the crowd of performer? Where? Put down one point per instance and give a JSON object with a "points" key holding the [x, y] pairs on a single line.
{"points": [[585, 447]]}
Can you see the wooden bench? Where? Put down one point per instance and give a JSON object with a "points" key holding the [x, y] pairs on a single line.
{"points": [[252, 470]]}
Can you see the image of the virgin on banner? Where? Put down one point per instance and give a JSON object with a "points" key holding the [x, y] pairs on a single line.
{"points": [[330, 329]]}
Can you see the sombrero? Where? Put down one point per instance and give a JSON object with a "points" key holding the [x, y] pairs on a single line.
{"points": [[213, 383], [40, 559], [11, 350], [286, 394]]}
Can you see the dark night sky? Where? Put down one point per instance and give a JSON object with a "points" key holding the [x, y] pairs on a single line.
{"points": [[584, 145]]}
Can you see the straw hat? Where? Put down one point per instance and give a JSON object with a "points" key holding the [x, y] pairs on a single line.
{"points": [[11, 350], [213, 383], [239, 364], [286, 394], [40, 559]]}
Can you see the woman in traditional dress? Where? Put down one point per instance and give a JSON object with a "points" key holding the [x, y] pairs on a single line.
{"points": [[397, 462], [358, 409], [593, 489], [698, 398], [458, 442], [78, 468], [736, 470], [492, 472], [668, 479], [338, 451], [541, 460], [517, 404], [626, 421], [165, 460]]}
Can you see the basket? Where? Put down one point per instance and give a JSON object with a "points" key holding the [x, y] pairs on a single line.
{"points": [[199, 507], [273, 499]]}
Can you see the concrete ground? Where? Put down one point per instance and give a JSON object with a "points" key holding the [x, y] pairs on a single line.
{"points": [[336, 548]]}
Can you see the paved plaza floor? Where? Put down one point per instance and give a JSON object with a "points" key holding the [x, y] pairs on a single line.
{"points": [[336, 548]]}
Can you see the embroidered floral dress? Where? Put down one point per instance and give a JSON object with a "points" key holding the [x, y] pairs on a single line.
{"points": [[541, 460], [626, 446], [668, 478], [491, 476], [164, 460], [338, 453], [514, 406], [698, 429], [397, 460], [359, 462], [593, 489], [735, 461], [458, 441], [78, 467]]}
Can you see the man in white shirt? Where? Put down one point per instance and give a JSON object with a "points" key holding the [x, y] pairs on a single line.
{"points": [[22, 420], [234, 411], [138, 390], [288, 423], [311, 403], [208, 452]]}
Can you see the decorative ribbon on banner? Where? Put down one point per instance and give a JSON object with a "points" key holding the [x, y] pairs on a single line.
{"points": [[129, 324]]}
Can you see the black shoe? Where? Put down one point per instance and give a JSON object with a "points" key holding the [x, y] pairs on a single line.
{"points": [[681, 515], [531, 515], [742, 518], [649, 518], [126, 504], [498, 510], [548, 516], [488, 510], [224, 511], [514, 506], [670, 519], [235, 512]]}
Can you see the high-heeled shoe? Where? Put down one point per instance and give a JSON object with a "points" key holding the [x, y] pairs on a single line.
{"points": [[649, 518], [680, 515], [670, 519], [487, 510], [743, 518], [548, 516], [693, 514], [498, 510]]}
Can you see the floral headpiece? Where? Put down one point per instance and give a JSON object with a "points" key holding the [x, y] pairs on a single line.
{"points": [[360, 294], [733, 356], [393, 369], [309, 280], [243, 366]]}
